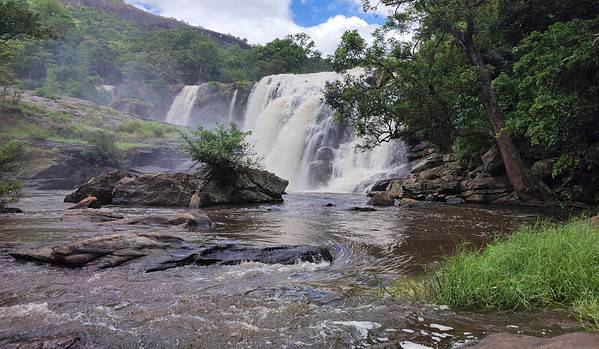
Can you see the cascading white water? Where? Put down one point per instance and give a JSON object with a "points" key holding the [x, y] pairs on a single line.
{"points": [[294, 130], [232, 107], [180, 111]]}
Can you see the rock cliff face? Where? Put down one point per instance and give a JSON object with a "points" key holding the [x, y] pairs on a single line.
{"points": [[441, 178], [178, 189], [135, 15]]}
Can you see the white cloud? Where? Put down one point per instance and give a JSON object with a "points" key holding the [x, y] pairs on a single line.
{"points": [[259, 21]]}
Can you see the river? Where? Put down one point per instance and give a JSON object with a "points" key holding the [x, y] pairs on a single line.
{"points": [[338, 305]]}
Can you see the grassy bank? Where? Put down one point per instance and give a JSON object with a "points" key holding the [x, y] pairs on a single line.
{"points": [[46, 127], [543, 265]]}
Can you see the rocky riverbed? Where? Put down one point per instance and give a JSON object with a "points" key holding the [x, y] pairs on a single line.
{"points": [[337, 302]]}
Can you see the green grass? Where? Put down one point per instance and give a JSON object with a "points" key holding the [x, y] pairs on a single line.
{"points": [[543, 265]]}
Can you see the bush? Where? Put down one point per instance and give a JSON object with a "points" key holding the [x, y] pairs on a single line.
{"points": [[226, 150], [103, 150], [145, 129], [10, 187], [542, 265]]}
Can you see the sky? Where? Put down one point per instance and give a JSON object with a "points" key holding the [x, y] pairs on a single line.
{"points": [[261, 21]]}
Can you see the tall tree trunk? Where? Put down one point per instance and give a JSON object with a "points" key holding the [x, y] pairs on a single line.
{"points": [[526, 186]]}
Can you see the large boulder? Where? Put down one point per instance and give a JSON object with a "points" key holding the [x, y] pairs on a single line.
{"points": [[180, 189], [381, 199], [493, 163], [152, 252], [163, 189], [100, 187]]}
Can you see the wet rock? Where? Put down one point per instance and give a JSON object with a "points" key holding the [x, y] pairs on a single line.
{"points": [[100, 187], [395, 189], [47, 343], [89, 202], [362, 209], [431, 161], [152, 252], [235, 254], [10, 210], [455, 201], [409, 203], [330, 204], [381, 185], [176, 189], [194, 203], [190, 219], [381, 199], [493, 163], [163, 189], [431, 198], [92, 214], [567, 341]]}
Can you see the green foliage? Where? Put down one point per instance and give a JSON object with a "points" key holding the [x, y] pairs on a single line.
{"points": [[293, 54], [145, 129], [542, 57], [550, 95], [18, 20], [542, 265], [10, 157], [103, 150], [226, 150]]}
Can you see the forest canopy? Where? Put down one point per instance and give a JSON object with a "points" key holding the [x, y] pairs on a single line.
{"points": [[520, 74]]}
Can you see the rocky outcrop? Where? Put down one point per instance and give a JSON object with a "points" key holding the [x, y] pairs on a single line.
{"points": [[99, 187], [566, 341], [381, 199], [178, 189], [441, 178], [152, 252]]}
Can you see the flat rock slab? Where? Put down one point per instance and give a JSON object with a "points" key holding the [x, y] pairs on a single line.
{"points": [[153, 252], [511, 341]]}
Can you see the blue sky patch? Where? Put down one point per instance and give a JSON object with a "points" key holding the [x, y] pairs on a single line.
{"points": [[313, 12]]}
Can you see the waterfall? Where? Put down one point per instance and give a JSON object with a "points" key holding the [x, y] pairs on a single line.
{"points": [[180, 111], [294, 130], [232, 107]]}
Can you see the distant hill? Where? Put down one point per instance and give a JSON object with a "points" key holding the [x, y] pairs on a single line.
{"points": [[144, 18]]}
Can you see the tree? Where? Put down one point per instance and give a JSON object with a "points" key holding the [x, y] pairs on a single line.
{"points": [[17, 19], [461, 19], [10, 187]]}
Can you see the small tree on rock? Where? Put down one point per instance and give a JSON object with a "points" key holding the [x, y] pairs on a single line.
{"points": [[226, 150]]}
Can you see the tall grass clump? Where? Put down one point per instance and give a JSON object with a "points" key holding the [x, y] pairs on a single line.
{"points": [[542, 265]]}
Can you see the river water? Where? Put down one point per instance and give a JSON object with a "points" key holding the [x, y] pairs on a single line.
{"points": [[338, 305]]}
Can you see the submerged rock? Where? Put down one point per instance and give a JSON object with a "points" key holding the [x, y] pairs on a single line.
{"points": [[63, 342], [93, 215], [191, 219], [183, 190], [153, 252], [566, 341], [89, 202], [10, 210], [362, 209]]}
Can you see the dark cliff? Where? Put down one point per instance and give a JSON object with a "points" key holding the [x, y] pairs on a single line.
{"points": [[141, 17]]}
